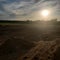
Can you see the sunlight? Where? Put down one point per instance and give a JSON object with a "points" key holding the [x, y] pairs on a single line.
{"points": [[45, 13]]}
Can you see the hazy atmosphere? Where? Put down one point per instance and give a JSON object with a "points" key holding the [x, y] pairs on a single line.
{"points": [[29, 9], [29, 29]]}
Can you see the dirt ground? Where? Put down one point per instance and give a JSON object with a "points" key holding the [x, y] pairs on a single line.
{"points": [[16, 40]]}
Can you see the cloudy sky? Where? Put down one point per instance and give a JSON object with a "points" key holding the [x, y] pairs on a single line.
{"points": [[28, 9]]}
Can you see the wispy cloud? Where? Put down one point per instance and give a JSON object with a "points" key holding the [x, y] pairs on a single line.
{"points": [[25, 8], [2, 0]]}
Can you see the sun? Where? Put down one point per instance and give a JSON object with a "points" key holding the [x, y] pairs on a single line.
{"points": [[45, 13]]}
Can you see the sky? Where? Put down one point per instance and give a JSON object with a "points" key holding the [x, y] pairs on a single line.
{"points": [[28, 9]]}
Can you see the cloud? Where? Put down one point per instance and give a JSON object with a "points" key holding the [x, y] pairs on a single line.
{"points": [[25, 8], [18, 7], [2, 0]]}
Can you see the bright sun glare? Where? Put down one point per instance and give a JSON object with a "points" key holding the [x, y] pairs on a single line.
{"points": [[45, 13]]}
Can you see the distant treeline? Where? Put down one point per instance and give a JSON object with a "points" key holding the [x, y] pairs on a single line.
{"points": [[31, 22], [16, 22]]}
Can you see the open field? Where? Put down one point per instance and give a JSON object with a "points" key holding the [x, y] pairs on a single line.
{"points": [[17, 39]]}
